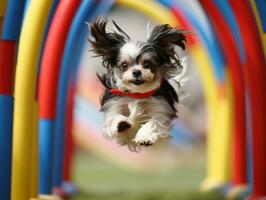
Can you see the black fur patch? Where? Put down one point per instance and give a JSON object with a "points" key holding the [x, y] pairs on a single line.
{"points": [[165, 36], [107, 96], [167, 92], [163, 40]]}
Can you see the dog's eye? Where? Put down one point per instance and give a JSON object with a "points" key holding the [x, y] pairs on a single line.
{"points": [[124, 66], [147, 65]]}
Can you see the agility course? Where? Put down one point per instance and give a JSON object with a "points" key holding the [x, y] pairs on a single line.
{"points": [[40, 48]]}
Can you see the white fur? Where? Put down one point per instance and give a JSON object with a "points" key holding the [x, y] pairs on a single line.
{"points": [[150, 120], [129, 49]]}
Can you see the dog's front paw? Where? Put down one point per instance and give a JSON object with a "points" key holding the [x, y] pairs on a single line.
{"points": [[123, 126], [145, 138], [116, 125]]}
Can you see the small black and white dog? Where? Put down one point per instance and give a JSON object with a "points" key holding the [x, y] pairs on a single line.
{"points": [[139, 102]]}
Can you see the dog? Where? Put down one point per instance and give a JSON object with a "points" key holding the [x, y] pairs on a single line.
{"points": [[141, 92]]}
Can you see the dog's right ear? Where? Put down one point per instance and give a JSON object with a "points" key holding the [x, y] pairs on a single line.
{"points": [[106, 44], [167, 37]]}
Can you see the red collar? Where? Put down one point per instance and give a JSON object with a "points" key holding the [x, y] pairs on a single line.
{"points": [[134, 95]]}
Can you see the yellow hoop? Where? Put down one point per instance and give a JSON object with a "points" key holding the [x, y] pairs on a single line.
{"points": [[24, 125]]}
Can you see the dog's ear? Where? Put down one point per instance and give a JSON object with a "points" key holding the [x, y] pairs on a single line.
{"points": [[167, 37], [106, 44]]}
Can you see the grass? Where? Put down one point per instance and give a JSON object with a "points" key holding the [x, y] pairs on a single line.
{"points": [[101, 180]]}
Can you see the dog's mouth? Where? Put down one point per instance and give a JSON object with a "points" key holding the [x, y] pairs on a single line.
{"points": [[137, 82]]}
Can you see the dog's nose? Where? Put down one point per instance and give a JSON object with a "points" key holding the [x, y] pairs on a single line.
{"points": [[136, 73]]}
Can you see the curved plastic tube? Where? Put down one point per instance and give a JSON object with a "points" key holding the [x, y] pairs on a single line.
{"points": [[239, 148], [8, 48], [67, 62], [233, 57], [259, 18], [25, 92], [50, 67], [256, 83]]}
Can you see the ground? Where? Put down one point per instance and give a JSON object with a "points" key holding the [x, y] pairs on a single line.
{"points": [[98, 179]]}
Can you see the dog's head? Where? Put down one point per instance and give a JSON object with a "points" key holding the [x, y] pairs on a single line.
{"points": [[136, 67]]}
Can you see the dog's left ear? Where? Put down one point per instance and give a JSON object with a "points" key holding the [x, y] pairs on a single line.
{"points": [[106, 43], [167, 37]]}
